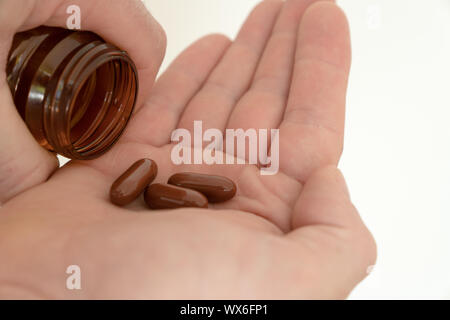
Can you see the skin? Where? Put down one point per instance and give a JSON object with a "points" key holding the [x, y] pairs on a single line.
{"points": [[293, 235]]}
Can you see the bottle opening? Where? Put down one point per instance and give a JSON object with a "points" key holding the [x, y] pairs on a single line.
{"points": [[102, 107]]}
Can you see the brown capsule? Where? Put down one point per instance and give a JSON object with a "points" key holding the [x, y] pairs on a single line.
{"points": [[133, 182], [215, 188], [165, 196]]}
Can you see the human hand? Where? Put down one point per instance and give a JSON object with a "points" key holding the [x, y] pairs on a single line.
{"points": [[293, 235]]}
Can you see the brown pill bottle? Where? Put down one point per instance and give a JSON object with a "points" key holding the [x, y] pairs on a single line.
{"points": [[74, 91]]}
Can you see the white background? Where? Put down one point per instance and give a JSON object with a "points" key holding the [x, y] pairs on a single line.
{"points": [[397, 153]]}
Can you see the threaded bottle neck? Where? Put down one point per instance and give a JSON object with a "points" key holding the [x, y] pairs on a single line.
{"points": [[75, 92]]}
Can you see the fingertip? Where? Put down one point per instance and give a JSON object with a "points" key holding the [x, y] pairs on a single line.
{"points": [[217, 38], [325, 26], [216, 41], [325, 201], [327, 14], [336, 175], [330, 177]]}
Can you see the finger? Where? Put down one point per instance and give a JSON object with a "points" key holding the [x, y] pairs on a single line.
{"points": [[154, 123], [311, 133], [23, 164], [266, 99], [233, 75], [333, 246]]}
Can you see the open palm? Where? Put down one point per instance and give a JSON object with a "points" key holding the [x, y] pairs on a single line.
{"points": [[291, 235]]}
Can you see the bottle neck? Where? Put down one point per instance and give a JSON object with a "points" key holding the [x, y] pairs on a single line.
{"points": [[75, 92]]}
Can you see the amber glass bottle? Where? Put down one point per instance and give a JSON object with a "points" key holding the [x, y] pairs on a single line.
{"points": [[74, 91]]}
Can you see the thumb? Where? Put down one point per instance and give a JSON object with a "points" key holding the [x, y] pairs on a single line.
{"points": [[23, 163], [332, 244]]}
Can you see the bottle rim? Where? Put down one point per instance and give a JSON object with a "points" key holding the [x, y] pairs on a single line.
{"points": [[113, 116]]}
